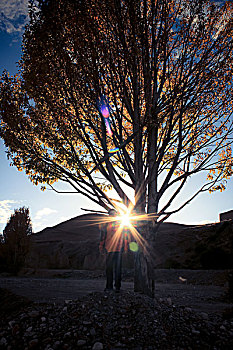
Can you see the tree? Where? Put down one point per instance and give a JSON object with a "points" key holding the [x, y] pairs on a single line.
{"points": [[123, 95], [16, 239]]}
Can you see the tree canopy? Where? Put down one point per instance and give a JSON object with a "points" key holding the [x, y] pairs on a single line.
{"points": [[123, 95]]}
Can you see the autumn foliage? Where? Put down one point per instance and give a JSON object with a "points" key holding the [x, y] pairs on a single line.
{"points": [[164, 71]]}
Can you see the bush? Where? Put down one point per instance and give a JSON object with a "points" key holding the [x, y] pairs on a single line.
{"points": [[16, 241], [230, 288], [216, 258]]}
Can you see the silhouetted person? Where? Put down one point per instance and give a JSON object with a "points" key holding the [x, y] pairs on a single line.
{"points": [[114, 241]]}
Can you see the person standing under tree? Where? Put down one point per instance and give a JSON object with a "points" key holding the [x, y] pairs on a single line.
{"points": [[113, 242]]}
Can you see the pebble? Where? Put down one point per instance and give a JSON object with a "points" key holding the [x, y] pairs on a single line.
{"points": [[98, 346], [47, 340], [68, 334], [119, 345], [92, 332], [11, 323], [188, 309], [33, 343], [204, 315], [3, 341], [56, 344], [34, 314], [81, 342]]}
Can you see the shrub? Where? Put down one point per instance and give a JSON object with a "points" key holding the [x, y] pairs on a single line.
{"points": [[16, 240], [216, 258]]}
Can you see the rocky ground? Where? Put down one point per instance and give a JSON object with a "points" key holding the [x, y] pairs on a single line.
{"points": [[110, 321]]}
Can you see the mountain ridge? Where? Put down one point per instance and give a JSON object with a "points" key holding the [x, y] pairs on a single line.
{"points": [[74, 244]]}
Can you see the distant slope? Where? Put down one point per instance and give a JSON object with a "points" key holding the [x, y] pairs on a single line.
{"points": [[80, 228], [196, 247], [74, 244]]}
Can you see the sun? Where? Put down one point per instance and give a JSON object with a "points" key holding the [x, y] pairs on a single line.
{"points": [[125, 220]]}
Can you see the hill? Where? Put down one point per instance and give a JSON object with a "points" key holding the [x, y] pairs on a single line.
{"points": [[74, 244]]}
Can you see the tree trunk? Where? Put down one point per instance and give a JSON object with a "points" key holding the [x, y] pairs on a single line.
{"points": [[143, 281], [143, 266], [143, 271], [152, 172]]}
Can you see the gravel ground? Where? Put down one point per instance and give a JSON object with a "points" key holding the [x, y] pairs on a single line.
{"points": [[110, 321], [50, 290], [63, 312]]}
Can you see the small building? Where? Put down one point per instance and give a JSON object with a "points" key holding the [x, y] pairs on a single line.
{"points": [[228, 215]]}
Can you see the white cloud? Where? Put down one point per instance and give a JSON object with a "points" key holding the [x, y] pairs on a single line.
{"points": [[13, 15], [203, 222], [44, 212], [37, 226], [6, 209], [64, 218]]}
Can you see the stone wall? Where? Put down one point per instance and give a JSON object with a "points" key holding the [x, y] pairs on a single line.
{"points": [[228, 215]]}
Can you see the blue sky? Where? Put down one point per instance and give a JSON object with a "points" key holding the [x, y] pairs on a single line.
{"points": [[48, 208]]}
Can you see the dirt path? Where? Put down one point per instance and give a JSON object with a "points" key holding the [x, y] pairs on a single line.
{"points": [[49, 290]]}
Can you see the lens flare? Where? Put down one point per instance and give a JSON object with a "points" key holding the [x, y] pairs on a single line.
{"points": [[105, 111], [108, 127], [133, 246], [114, 150], [131, 224]]}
